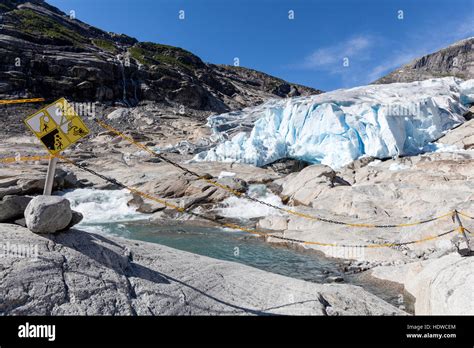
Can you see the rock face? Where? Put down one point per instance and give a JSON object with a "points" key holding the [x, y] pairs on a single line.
{"points": [[32, 182], [392, 190], [48, 214], [13, 207], [287, 165], [441, 287], [462, 137], [395, 191], [305, 186], [45, 52], [278, 223], [147, 207], [455, 60], [88, 274]]}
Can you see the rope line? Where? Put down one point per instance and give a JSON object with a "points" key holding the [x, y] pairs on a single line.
{"points": [[236, 193], [238, 227], [256, 200], [19, 101], [465, 215], [24, 159]]}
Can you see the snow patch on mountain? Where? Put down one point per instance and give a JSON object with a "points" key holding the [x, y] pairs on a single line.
{"points": [[338, 127]]}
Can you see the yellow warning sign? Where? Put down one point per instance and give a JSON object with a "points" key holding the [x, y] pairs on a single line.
{"points": [[57, 126]]}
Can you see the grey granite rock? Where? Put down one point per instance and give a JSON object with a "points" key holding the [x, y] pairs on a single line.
{"points": [[85, 63], [89, 274], [454, 60], [442, 286], [48, 214], [12, 207], [75, 219]]}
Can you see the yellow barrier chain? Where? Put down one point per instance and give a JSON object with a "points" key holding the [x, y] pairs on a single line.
{"points": [[21, 101], [24, 159], [465, 215], [238, 227], [243, 195], [234, 192]]}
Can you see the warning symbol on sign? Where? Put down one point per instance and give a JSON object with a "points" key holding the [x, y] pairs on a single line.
{"points": [[57, 126]]}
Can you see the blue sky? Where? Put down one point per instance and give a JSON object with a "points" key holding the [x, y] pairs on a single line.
{"points": [[309, 49]]}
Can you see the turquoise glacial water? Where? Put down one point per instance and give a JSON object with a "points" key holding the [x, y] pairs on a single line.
{"points": [[108, 212], [252, 251]]}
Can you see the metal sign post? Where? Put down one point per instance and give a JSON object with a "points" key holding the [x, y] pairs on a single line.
{"points": [[463, 232], [48, 185]]}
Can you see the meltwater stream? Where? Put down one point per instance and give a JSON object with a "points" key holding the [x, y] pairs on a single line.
{"points": [[106, 212]]}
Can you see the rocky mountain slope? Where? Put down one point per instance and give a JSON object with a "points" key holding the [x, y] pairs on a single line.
{"points": [[44, 52], [454, 60]]}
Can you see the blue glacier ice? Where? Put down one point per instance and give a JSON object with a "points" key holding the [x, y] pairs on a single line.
{"points": [[338, 127]]}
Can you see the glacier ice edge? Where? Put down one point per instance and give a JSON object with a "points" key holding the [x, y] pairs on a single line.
{"points": [[338, 127]]}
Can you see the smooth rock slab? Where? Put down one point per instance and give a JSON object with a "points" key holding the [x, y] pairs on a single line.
{"points": [[48, 214], [443, 286], [273, 222], [305, 186], [82, 273]]}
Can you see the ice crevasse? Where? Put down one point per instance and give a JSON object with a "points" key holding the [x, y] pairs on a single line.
{"points": [[338, 127]]}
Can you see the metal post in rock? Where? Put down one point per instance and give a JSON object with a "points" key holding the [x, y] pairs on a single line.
{"points": [[467, 249], [48, 185]]}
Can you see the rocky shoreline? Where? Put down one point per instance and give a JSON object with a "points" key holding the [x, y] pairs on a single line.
{"points": [[89, 274]]}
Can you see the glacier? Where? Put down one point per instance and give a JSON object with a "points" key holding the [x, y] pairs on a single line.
{"points": [[337, 127]]}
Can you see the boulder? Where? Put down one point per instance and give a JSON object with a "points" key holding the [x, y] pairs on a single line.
{"points": [[48, 214], [13, 207], [31, 184], [227, 182], [4, 183], [171, 186], [188, 201], [75, 219], [273, 222], [148, 207], [6, 191], [66, 179], [462, 136], [307, 185], [235, 184]]}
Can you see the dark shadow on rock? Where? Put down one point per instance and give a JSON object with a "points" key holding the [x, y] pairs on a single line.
{"points": [[89, 245], [247, 310], [466, 252]]}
